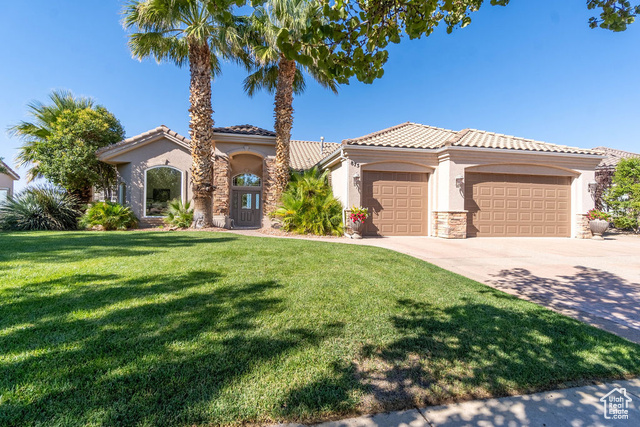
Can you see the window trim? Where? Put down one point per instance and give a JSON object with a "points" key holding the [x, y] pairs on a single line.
{"points": [[144, 194]]}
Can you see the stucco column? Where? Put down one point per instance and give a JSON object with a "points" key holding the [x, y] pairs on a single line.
{"points": [[449, 218]]}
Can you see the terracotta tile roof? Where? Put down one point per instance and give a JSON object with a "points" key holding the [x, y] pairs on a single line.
{"points": [[613, 157], [484, 139], [244, 130], [415, 135], [10, 171], [160, 129], [305, 154], [405, 135]]}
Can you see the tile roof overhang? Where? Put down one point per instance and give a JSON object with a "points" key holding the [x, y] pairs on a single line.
{"points": [[613, 157], [418, 136], [10, 171]]}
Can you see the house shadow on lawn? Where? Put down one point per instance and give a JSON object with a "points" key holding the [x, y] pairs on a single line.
{"points": [[72, 246], [463, 352], [152, 354], [589, 294]]}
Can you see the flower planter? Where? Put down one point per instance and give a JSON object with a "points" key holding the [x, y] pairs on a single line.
{"points": [[598, 227], [356, 227]]}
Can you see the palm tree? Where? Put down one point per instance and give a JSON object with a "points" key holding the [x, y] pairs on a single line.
{"points": [[43, 117], [194, 32], [274, 72]]}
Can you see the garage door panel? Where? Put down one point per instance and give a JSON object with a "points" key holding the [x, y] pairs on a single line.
{"points": [[517, 205], [397, 202]]}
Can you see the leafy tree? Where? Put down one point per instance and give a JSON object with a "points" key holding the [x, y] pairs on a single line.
{"points": [[60, 142], [623, 198], [352, 36], [276, 73], [197, 33]]}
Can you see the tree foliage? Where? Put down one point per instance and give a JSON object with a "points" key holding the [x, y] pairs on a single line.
{"points": [[623, 198], [352, 36], [61, 139]]}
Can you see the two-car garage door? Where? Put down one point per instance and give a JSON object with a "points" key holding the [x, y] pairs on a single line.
{"points": [[499, 205], [517, 205]]}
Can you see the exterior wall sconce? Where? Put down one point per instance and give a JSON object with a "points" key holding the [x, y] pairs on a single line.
{"points": [[459, 181], [356, 178], [593, 186]]}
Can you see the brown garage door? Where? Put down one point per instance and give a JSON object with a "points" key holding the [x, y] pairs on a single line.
{"points": [[397, 202], [517, 205]]}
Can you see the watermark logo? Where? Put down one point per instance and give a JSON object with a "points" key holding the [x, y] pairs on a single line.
{"points": [[616, 404]]}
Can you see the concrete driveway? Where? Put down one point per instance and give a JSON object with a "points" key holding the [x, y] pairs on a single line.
{"points": [[597, 282]]}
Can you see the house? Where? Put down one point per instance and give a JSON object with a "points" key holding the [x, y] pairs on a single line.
{"points": [[6, 181], [416, 180]]}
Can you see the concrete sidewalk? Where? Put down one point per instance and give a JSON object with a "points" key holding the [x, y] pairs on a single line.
{"points": [[576, 407]]}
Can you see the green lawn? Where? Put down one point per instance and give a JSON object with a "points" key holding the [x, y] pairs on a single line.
{"points": [[157, 328]]}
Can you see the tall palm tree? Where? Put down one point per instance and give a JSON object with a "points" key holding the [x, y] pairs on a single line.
{"points": [[274, 72], [198, 33], [43, 117]]}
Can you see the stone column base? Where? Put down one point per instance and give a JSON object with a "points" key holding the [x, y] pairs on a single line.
{"points": [[222, 182], [450, 224], [582, 227]]}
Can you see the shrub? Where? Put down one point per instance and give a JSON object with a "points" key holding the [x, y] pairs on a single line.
{"points": [[109, 216], [623, 198], [40, 208], [309, 207], [179, 214], [358, 214]]}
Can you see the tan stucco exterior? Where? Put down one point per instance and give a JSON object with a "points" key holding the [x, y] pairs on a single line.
{"points": [[443, 166], [241, 153], [7, 179]]}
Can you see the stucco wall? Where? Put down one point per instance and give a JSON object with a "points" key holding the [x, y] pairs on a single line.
{"points": [[158, 153], [6, 182]]}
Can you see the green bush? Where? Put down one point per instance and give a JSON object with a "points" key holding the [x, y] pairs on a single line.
{"points": [[309, 207], [623, 197], [40, 208], [109, 216], [179, 214]]}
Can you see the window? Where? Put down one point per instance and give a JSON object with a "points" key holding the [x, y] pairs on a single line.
{"points": [[122, 193], [163, 184], [247, 180], [4, 193]]}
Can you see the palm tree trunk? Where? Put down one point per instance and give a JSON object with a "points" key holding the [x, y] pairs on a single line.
{"points": [[201, 132], [283, 123]]}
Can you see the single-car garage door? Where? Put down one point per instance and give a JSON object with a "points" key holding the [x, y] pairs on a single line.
{"points": [[517, 205], [397, 203]]}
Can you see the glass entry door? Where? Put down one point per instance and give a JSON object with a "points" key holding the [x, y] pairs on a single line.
{"points": [[246, 208]]}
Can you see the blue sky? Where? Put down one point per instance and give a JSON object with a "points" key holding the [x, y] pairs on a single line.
{"points": [[533, 69]]}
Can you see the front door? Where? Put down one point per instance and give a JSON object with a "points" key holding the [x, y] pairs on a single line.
{"points": [[246, 208]]}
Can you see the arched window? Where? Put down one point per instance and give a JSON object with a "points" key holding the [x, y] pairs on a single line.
{"points": [[247, 180], [162, 184]]}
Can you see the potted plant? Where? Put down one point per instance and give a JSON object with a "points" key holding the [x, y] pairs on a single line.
{"points": [[598, 223], [357, 217]]}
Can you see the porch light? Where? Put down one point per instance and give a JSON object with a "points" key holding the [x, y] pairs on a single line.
{"points": [[356, 178], [593, 186], [459, 181]]}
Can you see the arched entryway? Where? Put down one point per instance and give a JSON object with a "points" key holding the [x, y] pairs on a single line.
{"points": [[246, 190]]}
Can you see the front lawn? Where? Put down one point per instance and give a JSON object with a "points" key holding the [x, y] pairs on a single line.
{"points": [[157, 328]]}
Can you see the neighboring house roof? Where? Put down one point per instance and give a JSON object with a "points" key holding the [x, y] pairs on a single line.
{"points": [[306, 154], [415, 135], [613, 157], [10, 171], [244, 130]]}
